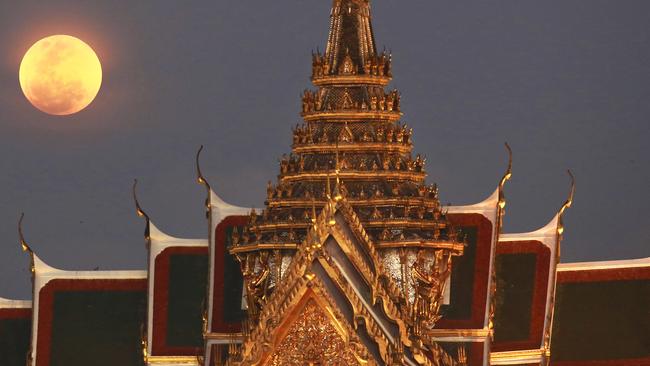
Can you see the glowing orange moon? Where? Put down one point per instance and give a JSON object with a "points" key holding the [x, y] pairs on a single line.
{"points": [[60, 75]]}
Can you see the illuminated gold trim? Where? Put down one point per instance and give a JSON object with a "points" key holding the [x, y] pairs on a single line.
{"points": [[283, 225], [346, 116], [512, 357], [370, 201], [175, 360], [361, 175], [353, 147], [407, 223], [457, 248], [262, 246], [360, 312], [230, 337], [378, 292], [341, 80], [458, 333]]}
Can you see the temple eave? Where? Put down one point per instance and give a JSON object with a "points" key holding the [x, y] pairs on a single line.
{"points": [[347, 116], [356, 175], [369, 202], [351, 80], [367, 147]]}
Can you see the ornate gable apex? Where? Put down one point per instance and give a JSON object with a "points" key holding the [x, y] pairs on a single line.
{"points": [[338, 259], [307, 313]]}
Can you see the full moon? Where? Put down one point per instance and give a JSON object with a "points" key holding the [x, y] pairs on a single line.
{"points": [[60, 75]]}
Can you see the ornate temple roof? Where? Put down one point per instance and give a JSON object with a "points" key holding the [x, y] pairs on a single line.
{"points": [[352, 139], [353, 150], [352, 260]]}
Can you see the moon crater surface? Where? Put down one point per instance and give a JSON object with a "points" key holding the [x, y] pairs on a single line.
{"points": [[60, 75]]}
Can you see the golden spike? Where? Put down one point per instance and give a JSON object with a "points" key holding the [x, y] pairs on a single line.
{"points": [[567, 204], [337, 166], [140, 212], [314, 218], [328, 188], [337, 187], [24, 245], [329, 207]]}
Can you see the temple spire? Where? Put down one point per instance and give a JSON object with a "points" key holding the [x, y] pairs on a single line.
{"points": [[350, 37]]}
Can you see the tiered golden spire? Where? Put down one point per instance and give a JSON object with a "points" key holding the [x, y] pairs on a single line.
{"points": [[352, 134], [351, 127]]}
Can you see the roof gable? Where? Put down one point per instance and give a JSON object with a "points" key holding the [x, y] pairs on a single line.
{"points": [[339, 260]]}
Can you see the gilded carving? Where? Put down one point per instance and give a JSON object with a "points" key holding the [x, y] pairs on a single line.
{"points": [[313, 340]]}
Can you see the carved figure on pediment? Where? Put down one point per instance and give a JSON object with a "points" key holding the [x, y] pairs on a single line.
{"points": [[376, 214], [269, 190], [347, 67], [324, 139], [255, 282], [389, 135], [375, 166], [346, 134], [380, 134], [386, 163], [429, 282], [399, 136], [366, 137]]}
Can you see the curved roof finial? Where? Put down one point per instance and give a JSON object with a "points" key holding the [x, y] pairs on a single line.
{"points": [[508, 173], [140, 211], [23, 243], [567, 203], [204, 182], [199, 174], [506, 177]]}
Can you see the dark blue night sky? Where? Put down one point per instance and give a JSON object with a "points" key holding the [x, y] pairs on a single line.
{"points": [[566, 83]]}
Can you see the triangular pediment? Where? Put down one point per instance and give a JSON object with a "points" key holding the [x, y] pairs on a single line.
{"points": [[336, 275], [315, 332]]}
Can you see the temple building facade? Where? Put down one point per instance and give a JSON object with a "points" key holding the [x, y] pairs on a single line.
{"points": [[350, 259]]}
